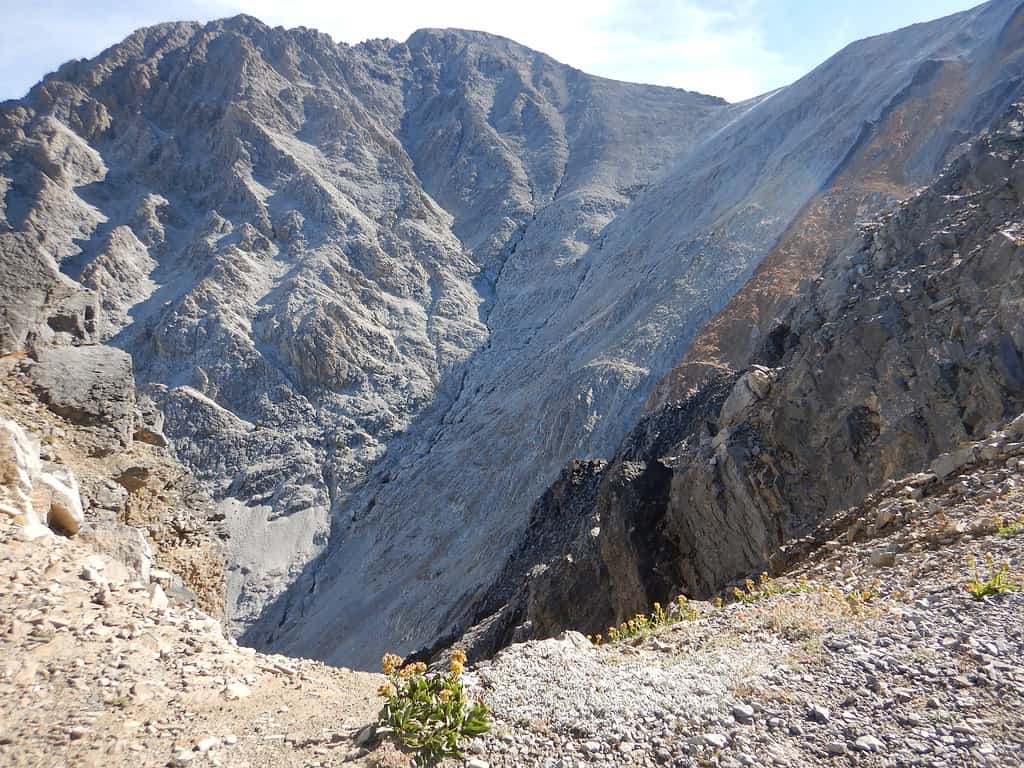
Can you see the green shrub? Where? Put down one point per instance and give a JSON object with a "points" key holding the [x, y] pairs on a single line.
{"points": [[430, 714], [997, 583], [1009, 528], [644, 624]]}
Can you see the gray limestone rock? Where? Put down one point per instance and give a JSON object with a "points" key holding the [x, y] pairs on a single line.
{"points": [[88, 385], [382, 293]]}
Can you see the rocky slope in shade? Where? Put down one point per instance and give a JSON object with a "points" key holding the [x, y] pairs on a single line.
{"points": [[653, 278], [908, 345], [405, 257]]}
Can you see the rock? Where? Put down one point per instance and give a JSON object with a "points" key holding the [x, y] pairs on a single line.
{"points": [[818, 714], [65, 513], [752, 386], [126, 544], [882, 558], [476, 762], [182, 758], [157, 599], [869, 743], [835, 748], [89, 385], [716, 740], [237, 690], [205, 745], [948, 463], [92, 575], [149, 423], [19, 469], [743, 713], [365, 735], [133, 475]]}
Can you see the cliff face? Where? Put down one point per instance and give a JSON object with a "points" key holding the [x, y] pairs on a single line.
{"points": [[383, 293], [906, 347]]}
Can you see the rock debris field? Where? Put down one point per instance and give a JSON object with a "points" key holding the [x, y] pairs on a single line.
{"points": [[100, 669]]}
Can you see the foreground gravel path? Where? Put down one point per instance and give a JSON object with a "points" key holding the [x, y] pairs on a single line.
{"points": [[98, 670]]}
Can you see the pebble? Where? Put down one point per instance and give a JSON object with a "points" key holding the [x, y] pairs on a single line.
{"points": [[819, 714], [869, 743], [237, 691], [743, 713]]}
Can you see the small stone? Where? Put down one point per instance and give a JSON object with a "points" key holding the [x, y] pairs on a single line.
{"points": [[882, 558], [205, 745], [77, 732], [476, 762], [819, 714], [365, 735], [869, 744], [157, 598], [230, 739], [716, 740], [90, 574], [182, 757], [743, 713], [835, 748], [237, 691]]}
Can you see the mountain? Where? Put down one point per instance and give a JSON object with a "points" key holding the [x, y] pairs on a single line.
{"points": [[905, 352], [382, 293]]}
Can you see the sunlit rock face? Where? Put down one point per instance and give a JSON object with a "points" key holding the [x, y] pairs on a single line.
{"points": [[383, 292]]}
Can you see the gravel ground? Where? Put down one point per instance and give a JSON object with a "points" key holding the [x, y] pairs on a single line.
{"points": [[920, 674]]}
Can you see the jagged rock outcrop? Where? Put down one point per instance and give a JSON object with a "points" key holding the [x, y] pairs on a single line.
{"points": [[32, 494], [381, 293], [907, 346]]}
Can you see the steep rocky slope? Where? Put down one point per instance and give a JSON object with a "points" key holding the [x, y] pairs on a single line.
{"points": [[243, 210], [99, 668], [79, 421], [905, 348], [653, 277], [382, 293]]}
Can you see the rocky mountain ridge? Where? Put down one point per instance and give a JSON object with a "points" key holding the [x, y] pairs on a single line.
{"points": [[381, 293], [906, 348]]}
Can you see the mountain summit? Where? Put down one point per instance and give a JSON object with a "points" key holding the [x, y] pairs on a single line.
{"points": [[383, 293]]}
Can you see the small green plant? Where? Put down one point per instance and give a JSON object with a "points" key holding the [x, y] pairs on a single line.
{"points": [[766, 587], [997, 583], [644, 624], [430, 714], [1010, 528]]}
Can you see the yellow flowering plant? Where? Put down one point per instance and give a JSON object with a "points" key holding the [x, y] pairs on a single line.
{"points": [[430, 714]]}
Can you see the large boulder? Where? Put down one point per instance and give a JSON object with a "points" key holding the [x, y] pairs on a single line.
{"points": [[89, 385], [19, 468], [31, 492], [64, 507]]}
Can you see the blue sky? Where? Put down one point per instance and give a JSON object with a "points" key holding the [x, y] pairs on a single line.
{"points": [[731, 48]]}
